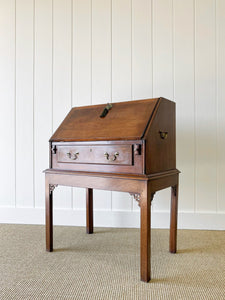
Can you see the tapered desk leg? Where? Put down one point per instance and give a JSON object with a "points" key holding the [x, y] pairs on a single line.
{"points": [[173, 219], [145, 204], [48, 216], [89, 210]]}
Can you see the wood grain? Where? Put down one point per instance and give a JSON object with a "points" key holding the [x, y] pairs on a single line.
{"points": [[85, 124], [89, 211]]}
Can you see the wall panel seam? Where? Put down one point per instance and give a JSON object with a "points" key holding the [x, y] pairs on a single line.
{"points": [[52, 63], [216, 99], [173, 48], [91, 50], [152, 43], [111, 74], [195, 149], [131, 62], [15, 108], [111, 50], [131, 47], [71, 87], [34, 103]]}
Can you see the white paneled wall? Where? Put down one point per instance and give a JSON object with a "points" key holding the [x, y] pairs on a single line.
{"points": [[184, 93], [7, 103], [220, 101], [42, 92], [24, 103], [55, 54]]}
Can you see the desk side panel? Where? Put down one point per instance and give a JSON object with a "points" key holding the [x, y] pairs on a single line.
{"points": [[161, 149]]}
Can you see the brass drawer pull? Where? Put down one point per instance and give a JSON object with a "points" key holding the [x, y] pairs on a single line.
{"points": [[73, 156], [106, 154]]}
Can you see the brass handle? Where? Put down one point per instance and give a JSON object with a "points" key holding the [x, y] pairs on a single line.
{"points": [[163, 134], [106, 154], [73, 156]]}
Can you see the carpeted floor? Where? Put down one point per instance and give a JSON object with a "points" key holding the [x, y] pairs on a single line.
{"points": [[105, 265]]}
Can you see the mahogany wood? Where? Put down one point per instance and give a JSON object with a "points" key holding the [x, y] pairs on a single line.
{"points": [[145, 256], [89, 210], [96, 161], [121, 122], [48, 217], [95, 154], [131, 149], [173, 218], [161, 152]]}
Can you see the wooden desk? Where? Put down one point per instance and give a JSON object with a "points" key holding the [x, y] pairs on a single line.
{"points": [[142, 187], [128, 147]]}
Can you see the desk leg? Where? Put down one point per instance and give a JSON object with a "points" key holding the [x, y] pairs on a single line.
{"points": [[48, 216], [145, 205], [173, 219], [89, 210]]}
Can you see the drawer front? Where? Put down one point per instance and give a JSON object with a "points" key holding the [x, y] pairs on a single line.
{"points": [[95, 154]]}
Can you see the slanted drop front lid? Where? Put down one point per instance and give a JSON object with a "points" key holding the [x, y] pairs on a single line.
{"points": [[123, 121]]}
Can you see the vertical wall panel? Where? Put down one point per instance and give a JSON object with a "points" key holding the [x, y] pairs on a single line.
{"points": [[184, 97], [206, 174], [61, 78], [7, 102], [42, 94], [121, 50], [101, 71], [24, 102], [220, 39], [101, 51], [121, 71], [81, 52], [141, 49], [81, 69], [162, 69], [163, 48]]}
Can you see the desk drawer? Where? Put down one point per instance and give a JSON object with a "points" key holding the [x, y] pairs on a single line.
{"points": [[106, 157], [95, 154]]}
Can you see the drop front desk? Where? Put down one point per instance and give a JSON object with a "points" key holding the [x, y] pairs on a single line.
{"points": [[128, 147]]}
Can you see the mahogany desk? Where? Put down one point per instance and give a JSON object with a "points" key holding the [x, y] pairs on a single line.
{"points": [[127, 147]]}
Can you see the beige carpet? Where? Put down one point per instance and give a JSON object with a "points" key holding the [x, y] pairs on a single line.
{"points": [[105, 265]]}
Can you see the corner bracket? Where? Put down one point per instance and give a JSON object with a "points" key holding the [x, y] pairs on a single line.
{"points": [[52, 187], [137, 197]]}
